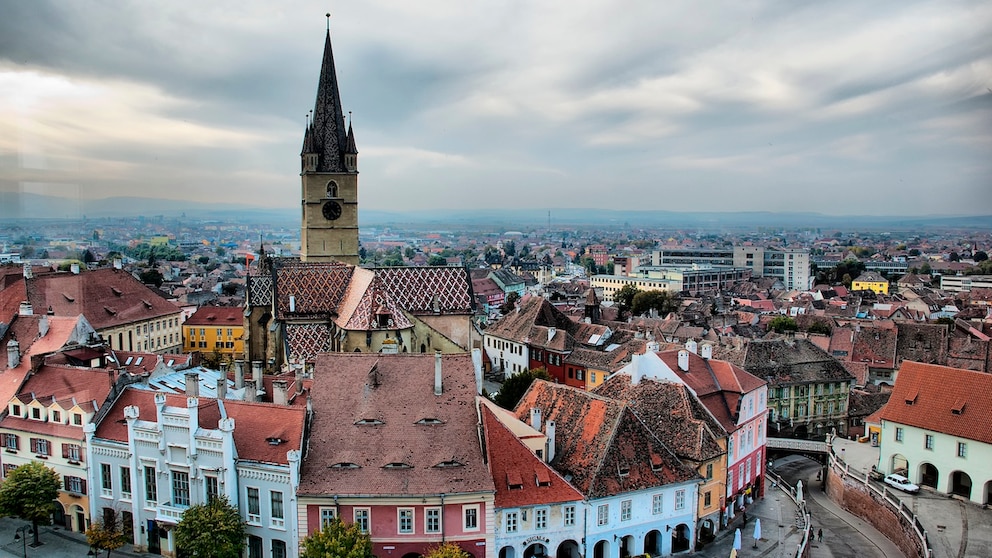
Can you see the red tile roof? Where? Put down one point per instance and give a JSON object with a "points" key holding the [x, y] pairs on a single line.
{"points": [[379, 413], [217, 316], [515, 470], [934, 392]]}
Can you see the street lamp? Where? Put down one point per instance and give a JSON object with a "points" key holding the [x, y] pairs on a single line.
{"points": [[21, 533]]}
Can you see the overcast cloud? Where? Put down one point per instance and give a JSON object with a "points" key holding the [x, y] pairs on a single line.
{"points": [[878, 108]]}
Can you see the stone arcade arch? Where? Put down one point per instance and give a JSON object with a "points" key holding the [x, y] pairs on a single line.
{"points": [[601, 550], [929, 475], [505, 552], [568, 549], [988, 493], [652, 543], [680, 538], [960, 484], [627, 546], [536, 550]]}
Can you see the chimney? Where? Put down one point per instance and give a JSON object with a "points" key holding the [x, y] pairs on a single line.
{"points": [[653, 346], [706, 350], [635, 369], [74, 268], [298, 384], [118, 263], [25, 309], [280, 392], [550, 453], [28, 272], [43, 326], [535, 418], [239, 374], [222, 388], [251, 394], [13, 354], [477, 366], [192, 384], [683, 360], [551, 333], [256, 371], [691, 346], [437, 372]]}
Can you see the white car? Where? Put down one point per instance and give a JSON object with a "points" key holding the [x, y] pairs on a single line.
{"points": [[902, 483]]}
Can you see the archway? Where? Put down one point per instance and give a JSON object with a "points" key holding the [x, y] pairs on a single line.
{"points": [[706, 531], [988, 493], [536, 550], [601, 550], [961, 484], [627, 546], [78, 518], [505, 552], [929, 475], [801, 431], [652, 543], [899, 465], [59, 518], [680, 538], [568, 549]]}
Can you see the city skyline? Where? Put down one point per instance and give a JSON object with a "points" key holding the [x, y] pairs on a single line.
{"points": [[879, 110]]}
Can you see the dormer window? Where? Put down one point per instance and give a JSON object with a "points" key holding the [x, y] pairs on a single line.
{"points": [[275, 441], [36, 413], [623, 470], [449, 464], [56, 416], [345, 465], [430, 421], [514, 481], [397, 465], [657, 464], [369, 422], [542, 478], [958, 407]]}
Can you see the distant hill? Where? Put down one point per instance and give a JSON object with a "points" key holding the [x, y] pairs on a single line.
{"points": [[16, 206]]}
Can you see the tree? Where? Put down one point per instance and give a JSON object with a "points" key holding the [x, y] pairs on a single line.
{"points": [[338, 540], [515, 386], [437, 260], [151, 277], [980, 256], [624, 298], [409, 252], [663, 302], [510, 303], [819, 327], [107, 534], [446, 550], [925, 268], [220, 251], [954, 257], [211, 530], [229, 289], [29, 493], [781, 324]]}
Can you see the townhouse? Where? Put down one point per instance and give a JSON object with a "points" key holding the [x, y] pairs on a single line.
{"points": [[217, 329]]}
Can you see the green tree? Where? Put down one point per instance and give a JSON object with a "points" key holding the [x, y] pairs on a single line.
{"points": [[446, 550], [980, 256], [107, 534], [337, 540], [662, 301], [435, 259], [515, 386], [211, 530], [151, 277], [67, 265], [29, 492], [510, 302], [819, 327], [781, 324], [624, 298], [220, 251], [409, 252]]}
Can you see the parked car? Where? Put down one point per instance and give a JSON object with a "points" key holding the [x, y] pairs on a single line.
{"points": [[902, 483]]}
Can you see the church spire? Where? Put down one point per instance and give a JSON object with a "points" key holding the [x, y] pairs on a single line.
{"points": [[327, 136]]}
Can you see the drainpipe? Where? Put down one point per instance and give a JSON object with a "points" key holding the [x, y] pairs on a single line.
{"points": [[442, 519], [585, 530]]}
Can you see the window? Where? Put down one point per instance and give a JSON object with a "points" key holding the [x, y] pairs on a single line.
{"points": [[928, 441], [680, 499], [275, 499], [404, 520], [432, 520], [126, 483], [602, 514], [707, 499], [541, 518], [327, 516], [657, 504], [11, 441], [569, 514], [362, 519], [36, 413], [898, 434], [15, 410], [962, 449], [625, 510], [511, 522], [106, 483], [211, 486], [730, 481], [151, 488], [278, 548], [254, 511], [470, 517], [77, 419], [709, 471], [75, 485], [40, 447], [72, 452], [254, 547], [180, 488]]}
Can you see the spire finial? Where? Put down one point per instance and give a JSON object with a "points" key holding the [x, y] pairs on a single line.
{"points": [[349, 118], [328, 14]]}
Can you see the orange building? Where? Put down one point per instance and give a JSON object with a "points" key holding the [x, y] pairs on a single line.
{"points": [[215, 328]]}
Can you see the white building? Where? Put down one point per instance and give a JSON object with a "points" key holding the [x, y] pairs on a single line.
{"points": [[154, 455]]}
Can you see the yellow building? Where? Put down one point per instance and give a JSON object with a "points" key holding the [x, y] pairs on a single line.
{"points": [[871, 281], [215, 328]]}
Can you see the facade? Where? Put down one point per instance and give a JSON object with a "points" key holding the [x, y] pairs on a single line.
{"points": [[610, 284], [936, 430], [155, 454], [395, 447], [329, 171], [697, 278], [964, 283], [871, 281], [689, 256], [215, 329], [790, 265]]}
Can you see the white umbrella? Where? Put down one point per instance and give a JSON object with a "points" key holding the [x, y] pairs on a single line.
{"points": [[799, 491], [757, 531], [737, 539]]}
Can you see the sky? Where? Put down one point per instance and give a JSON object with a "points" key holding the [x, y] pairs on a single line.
{"points": [[842, 108]]}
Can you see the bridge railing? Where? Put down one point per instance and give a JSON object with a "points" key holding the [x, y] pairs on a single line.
{"points": [[807, 527], [794, 444]]}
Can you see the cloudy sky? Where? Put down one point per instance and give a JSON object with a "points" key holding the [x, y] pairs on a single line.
{"points": [[880, 107]]}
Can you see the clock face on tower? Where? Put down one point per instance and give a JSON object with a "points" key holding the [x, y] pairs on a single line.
{"points": [[331, 210]]}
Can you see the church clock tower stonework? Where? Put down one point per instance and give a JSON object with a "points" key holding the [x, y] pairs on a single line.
{"points": [[329, 175]]}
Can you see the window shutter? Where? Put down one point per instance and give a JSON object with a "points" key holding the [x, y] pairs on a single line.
{"points": [[34, 445], [82, 482], [17, 442], [65, 483], [65, 451]]}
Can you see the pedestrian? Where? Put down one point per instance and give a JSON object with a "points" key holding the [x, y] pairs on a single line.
{"points": [[819, 535], [745, 516]]}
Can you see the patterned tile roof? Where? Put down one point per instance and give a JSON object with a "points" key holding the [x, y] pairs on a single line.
{"points": [[516, 470], [942, 399], [429, 290], [306, 341], [602, 447], [375, 301], [317, 288], [379, 429], [795, 361]]}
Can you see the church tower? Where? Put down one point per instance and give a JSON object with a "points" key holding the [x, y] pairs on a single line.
{"points": [[330, 175]]}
